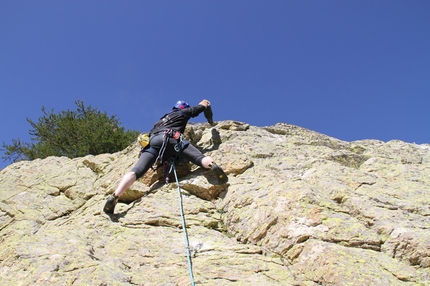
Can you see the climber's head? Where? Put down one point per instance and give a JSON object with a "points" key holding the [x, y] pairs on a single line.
{"points": [[181, 104]]}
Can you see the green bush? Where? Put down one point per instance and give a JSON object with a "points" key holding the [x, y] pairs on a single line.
{"points": [[86, 131]]}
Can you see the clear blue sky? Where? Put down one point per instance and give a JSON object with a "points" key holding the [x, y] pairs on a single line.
{"points": [[349, 69]]}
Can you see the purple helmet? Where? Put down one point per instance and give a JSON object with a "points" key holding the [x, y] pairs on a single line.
{"points": [[181, 104]]}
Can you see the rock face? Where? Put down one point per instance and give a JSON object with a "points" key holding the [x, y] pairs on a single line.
{"points": [[300, 208]]}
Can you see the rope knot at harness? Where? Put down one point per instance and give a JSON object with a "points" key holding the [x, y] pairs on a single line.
{"points": [[178, 146]]}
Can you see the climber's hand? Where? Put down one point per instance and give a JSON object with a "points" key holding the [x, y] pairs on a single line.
{"points": [[205, 103]]}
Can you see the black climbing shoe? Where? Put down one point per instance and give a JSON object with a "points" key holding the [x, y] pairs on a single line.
{"points": [[110, 204], [219, 173]]}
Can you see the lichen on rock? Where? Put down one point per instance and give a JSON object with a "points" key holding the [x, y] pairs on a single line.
{"points": [[300, 208]]}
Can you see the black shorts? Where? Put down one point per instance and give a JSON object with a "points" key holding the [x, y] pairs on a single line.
{"points": [[149, 155]]}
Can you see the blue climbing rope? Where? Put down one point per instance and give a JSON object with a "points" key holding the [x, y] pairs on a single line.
{"points": [[181, 208]]}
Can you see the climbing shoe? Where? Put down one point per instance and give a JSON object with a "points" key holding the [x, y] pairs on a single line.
{"points": [[110, 204], [219, 173]]}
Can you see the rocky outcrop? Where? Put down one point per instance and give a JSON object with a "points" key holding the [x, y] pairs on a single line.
{"points": [[300, 208]]}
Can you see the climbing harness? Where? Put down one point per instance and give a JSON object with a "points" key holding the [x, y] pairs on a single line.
{"points": [[178, 147], [184, 227], [162, 149]]}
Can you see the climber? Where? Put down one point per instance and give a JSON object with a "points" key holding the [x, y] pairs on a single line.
{"points": [[166, 141]]}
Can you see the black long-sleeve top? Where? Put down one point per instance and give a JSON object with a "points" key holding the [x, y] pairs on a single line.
{"points": [[177, 119]]}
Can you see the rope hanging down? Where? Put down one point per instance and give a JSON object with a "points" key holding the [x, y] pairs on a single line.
{"points": [[187, 245]]}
